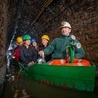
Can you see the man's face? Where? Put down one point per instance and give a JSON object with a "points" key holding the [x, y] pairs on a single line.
{"points": [[65, 31], [20, 44], [34, 44], [27, 42], [44, 42]]}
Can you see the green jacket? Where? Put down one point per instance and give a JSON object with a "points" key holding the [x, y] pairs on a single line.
{"points": [[58, 48]]}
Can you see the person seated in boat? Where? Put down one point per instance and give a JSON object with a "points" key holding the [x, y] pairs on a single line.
{"points": [[44, 44], [35, 44], [58, 46], [28, 54], [16, 52]]}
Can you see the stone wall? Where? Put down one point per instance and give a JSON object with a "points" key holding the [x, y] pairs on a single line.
{"points": [[3, 32]]}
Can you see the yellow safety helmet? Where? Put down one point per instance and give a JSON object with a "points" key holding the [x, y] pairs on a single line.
{"points": [[45, 37], [19, 40]]}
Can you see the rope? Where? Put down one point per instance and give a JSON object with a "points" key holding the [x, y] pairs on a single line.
{"points": [[22, 69]]}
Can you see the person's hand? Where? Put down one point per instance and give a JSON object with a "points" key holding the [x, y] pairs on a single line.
{"points": [[13, 57], [41, 53], [31, 63], [68, 59]]}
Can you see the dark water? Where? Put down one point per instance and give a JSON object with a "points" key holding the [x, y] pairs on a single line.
{"points": [[23, 87]]}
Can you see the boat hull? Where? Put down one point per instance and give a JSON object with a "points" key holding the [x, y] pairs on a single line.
{"points": [[72, 77]]}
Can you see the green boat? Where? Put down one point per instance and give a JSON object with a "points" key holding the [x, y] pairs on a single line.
{"points": [[72, 77], [66, 76]]}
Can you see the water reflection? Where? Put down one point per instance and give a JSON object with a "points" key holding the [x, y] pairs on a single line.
{"points": [[23, 87], [23, 94]]}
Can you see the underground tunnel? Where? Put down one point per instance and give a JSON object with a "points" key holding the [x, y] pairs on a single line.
{"points": [[39, 17]]}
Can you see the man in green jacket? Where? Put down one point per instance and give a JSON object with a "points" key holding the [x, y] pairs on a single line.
{"points": [[58, 46]]}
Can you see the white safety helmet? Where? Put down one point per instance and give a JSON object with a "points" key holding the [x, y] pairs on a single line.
{"points": [[65, 24]]}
